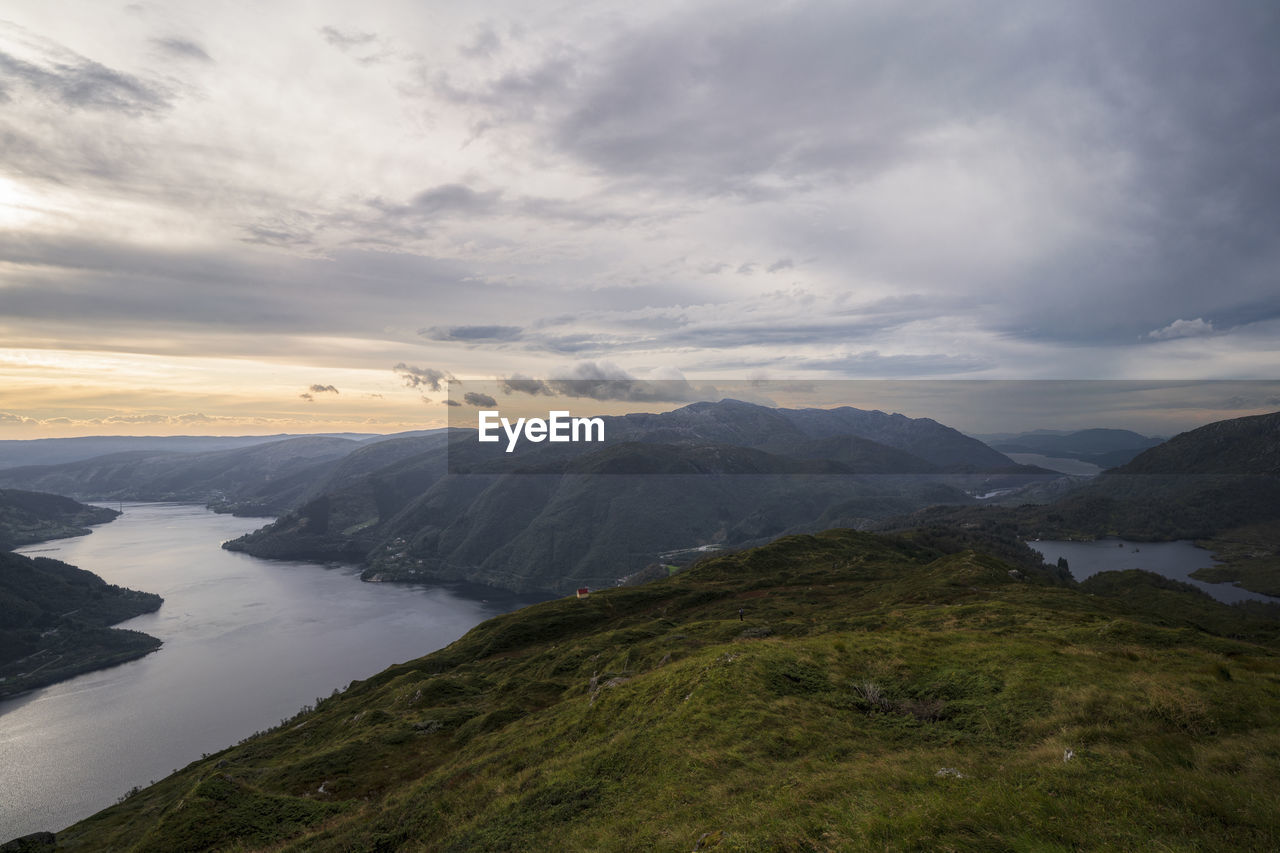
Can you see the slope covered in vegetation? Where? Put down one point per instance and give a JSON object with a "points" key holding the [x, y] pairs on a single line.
{"points": [[843, 691], [54, 622], [27, 517]]}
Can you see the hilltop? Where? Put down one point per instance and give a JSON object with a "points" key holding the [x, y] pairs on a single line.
{"points": [[899, 692], [27, 517]]}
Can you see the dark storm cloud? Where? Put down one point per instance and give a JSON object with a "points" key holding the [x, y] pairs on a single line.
{"points": [[57, 153], [323, 389], [278, 233], [781, 320], [1197, 119], [365, 48], [523, 385], [806, 90], [422, 377], [459, 202], [445, 199], [485, 43], [594, 343], [605, 381], [1152, 145], [475, 398], [347, 39], [80, 83], [516, 94], [184, 48], [392, 222], [472, 334], [453, 403], [134, 288], [871, 362]]}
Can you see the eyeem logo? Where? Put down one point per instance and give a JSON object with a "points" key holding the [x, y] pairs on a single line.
{"points": [[558, 426]]}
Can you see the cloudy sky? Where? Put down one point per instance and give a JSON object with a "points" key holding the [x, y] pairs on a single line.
{"points": [[275, 217]]}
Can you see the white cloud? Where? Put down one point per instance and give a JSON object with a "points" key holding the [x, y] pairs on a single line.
{"points": [[1182, 329]]}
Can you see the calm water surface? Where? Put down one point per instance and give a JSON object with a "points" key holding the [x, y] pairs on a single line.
{"points": [[1174, 560], [247, 642]]}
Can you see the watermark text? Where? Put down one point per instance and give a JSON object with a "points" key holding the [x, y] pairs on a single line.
{"points": [[558, 426]]}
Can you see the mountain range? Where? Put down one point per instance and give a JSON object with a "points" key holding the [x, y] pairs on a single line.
{"points": [[261, 478], [549, 518], [57, 451], [1219, 484]]}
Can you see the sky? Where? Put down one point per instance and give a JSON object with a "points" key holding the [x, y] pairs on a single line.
{"points": [[246, 218]]}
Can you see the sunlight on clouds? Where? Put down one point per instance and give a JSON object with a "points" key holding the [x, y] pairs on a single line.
{"points": [[52, 392], [20, 207]]}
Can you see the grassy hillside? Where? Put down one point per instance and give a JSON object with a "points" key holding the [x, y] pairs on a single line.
{"points": [[834, 692]]}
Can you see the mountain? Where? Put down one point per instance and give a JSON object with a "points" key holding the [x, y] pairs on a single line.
{"points": [[57, 451], [1242, 446], [922, 437], [164, 476], [54, 618], [264, 477], [27, 517], [1219, 483], [549, 518], [733, 422], [279, 494], [584, 527], [834, 692], [1105, 448], [1196, 484]]}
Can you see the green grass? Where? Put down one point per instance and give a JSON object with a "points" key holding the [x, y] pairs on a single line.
{"points": [[880, 694]]}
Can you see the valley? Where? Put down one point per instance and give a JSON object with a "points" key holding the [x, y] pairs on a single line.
{"points": [[939, 639]]}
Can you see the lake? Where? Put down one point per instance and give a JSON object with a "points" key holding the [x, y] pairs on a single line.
{"points": [[1174, 560], [247, 642]]}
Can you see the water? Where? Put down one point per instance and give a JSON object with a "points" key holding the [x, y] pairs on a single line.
{"points": [[1173, 560], [247, 642], [1076, 467]]}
